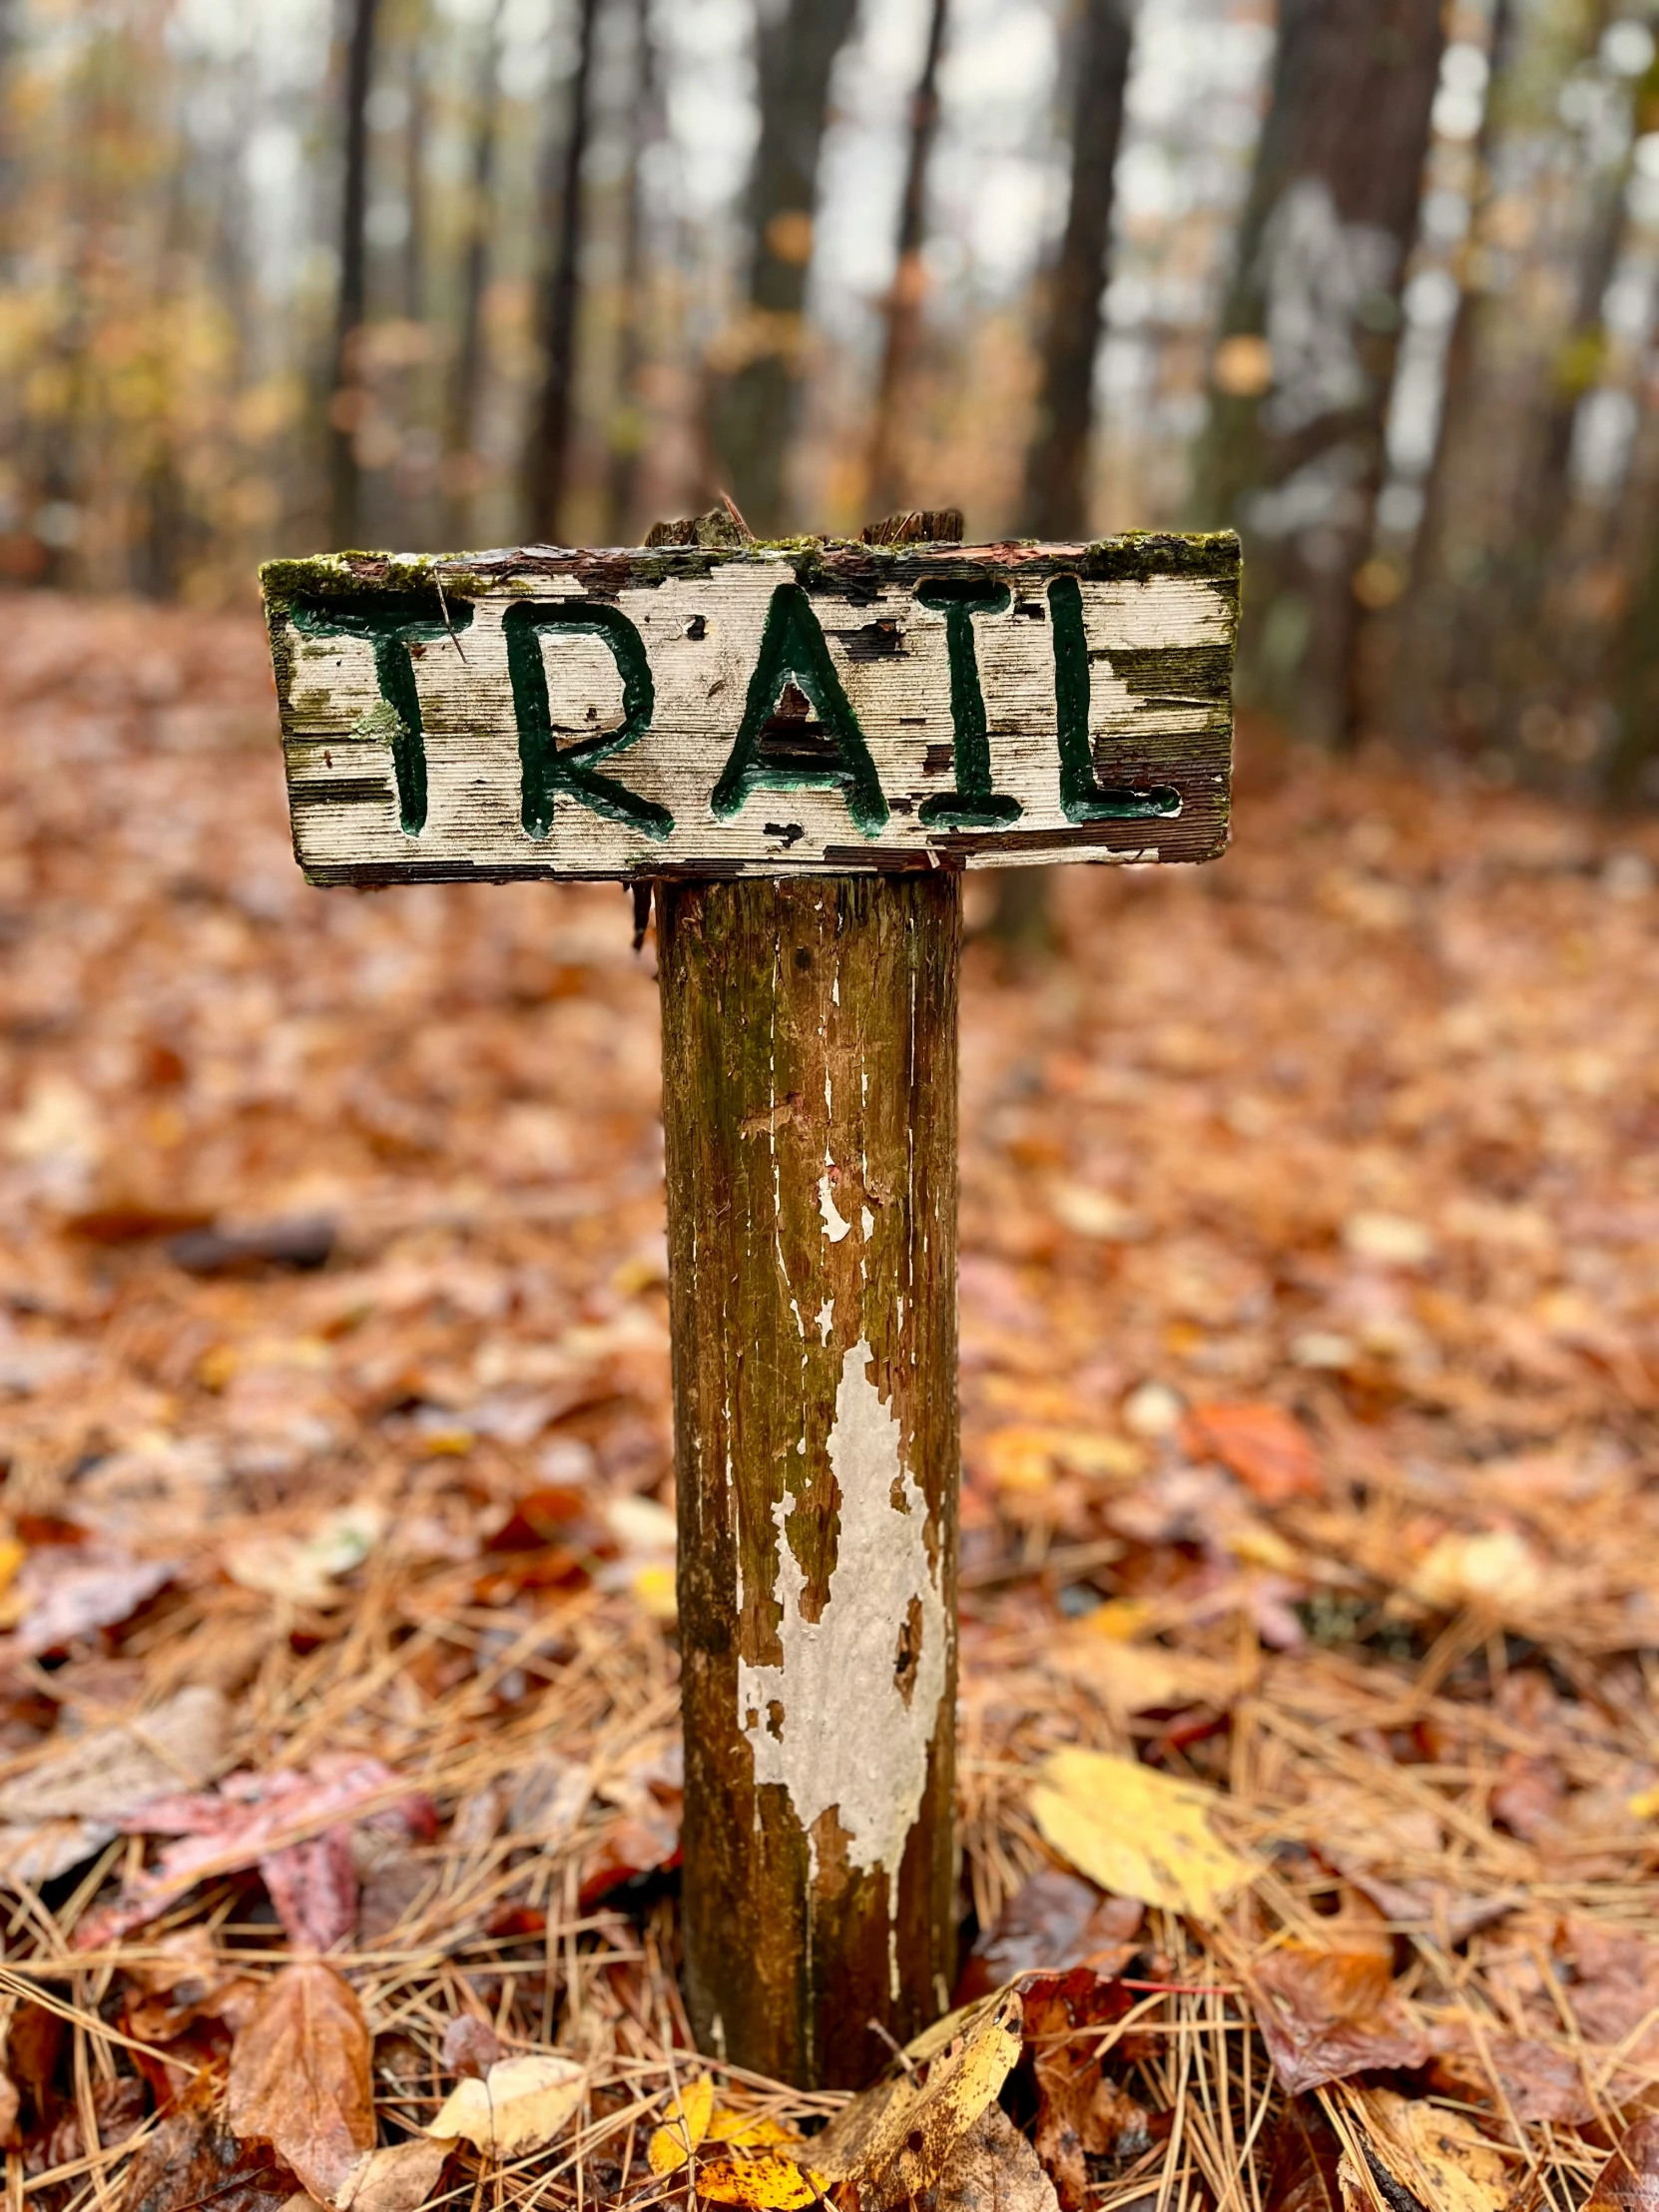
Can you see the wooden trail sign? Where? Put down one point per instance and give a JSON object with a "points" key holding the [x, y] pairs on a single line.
{"points": [[801, 747], [721, 711]]}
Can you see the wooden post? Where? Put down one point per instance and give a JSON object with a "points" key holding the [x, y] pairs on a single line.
{"points": [[810, 1104], [802, 746]]}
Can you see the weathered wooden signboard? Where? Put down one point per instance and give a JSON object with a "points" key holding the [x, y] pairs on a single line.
{"points": [[721, 711], [800, 747]]}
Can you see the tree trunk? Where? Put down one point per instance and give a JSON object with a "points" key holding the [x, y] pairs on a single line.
{"points": [[1293, 455], [754, 409], [809, 1107], [889, 490], [460, 463], [345, 388], [549, 458], [1057, 466], [414, 178], [627, 428]]}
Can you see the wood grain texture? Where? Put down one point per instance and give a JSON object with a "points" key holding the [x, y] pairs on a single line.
{"points": [[758, 710], [810, 1104]]}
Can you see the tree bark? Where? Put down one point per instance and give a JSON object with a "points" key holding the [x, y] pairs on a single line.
{"points": [[1057, 466], [1293, 455], [627, 428], [345, 390], [548, 472], [889, 490], [415, 177], [810, 1106], [753, 407], [460, 468]]}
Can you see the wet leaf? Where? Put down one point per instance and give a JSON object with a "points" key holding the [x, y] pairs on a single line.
{"points": [[299, 2076], [1303, 2160], [1325, 2013], [520, 2105], [193, 2158], [1054, 1920], [1137, 1831], [684, 2126], [994, 2169], [1629, 2182], [313, 1887], [1268, 1449]]}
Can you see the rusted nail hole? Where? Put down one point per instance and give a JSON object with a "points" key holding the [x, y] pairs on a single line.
{"points": [[915, 2142], [803, 956]]}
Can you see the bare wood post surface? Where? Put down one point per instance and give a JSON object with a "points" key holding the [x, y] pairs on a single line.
{"points": [[810, 1104]]}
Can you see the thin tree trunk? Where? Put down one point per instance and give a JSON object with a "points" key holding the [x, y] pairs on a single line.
{"points": [[1057, 467], [626, 425], [1294, 450], [549, 458], [754, 409], [414, 179], [345, 384], [888, 487], [460, 463]]}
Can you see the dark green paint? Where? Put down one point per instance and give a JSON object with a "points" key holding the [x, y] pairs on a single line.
{"points": [[974, 805], [793, 650], [1082, 797], [548, 769], [391, 623]]}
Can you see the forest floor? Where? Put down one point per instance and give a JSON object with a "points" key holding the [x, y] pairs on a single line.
{"points": [[1309, 1309]]}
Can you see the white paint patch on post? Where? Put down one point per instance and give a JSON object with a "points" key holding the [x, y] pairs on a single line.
{"points": [[833, 1723]]}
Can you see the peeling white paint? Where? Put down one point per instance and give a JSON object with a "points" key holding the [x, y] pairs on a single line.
{"points": [[867, 1221], [825, 1320], [833, 1226], [843, 1735]]}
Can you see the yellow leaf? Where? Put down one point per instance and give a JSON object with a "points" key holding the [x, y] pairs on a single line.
{"points": [[1644, 1804], [1440, 2158], [519, 2106], [1140, 1833], [654, 1585], [751, 2129], [684, 2124], [768, 2183]]}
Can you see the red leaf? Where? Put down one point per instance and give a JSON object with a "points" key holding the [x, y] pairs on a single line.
{"points": [[1326, 2014]]}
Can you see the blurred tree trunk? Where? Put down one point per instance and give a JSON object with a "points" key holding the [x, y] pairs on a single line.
{"points": [[460, 459], [547, 473], [1057, 463], [888, 486], [1293, 453], [627, 427], [345, 388], [1057, 466], [1631, 766], [414, 174], [754, 406]]}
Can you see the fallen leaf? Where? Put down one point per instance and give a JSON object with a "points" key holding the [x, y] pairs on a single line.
{"points": [[193, 2158], [1534, 2080], [1629, 2182], [66, 1591], [1081, 2111], [1437, 2155], [1131, 1678], [299, 2076], [1615, 1987], [768, 2182], [1326, 2013], [896, 2138], [470, 2045], [399, 2177], [1303, 2160], [109, 1772], [993, 2169], [1137, 1831], [519, 2106], [1495, 1570], [313, 1887], [304, 1569], [684, 2124], [1268, 1449], [1054, 1920]]}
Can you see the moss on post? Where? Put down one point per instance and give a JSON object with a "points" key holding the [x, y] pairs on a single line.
{"points": [[810, 1103]]}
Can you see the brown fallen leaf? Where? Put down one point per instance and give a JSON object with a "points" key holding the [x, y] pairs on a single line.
{"points": [[1629, 2182], [1268, 1449], [520, 2105], [1081, 2111], [193, 2158], [1437, 2156], [1054, 1920], [1327, 2013], [300, 2078], [313, 1887], [399, 2177], [66, 1591], [1534, 2080], [994, 2169], [1302, 2161], [470, 2045], [896, 2138]]}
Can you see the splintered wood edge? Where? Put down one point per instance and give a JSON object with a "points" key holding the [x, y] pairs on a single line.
{"points": [[779, 709]]}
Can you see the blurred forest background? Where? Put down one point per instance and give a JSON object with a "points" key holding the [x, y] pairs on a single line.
{"points": [[1372, 279]]}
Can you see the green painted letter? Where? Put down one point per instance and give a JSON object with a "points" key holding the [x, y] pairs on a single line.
{"points": [[1082, 798], [793, 658], [973, 804], [391, 625], [548, 768]]}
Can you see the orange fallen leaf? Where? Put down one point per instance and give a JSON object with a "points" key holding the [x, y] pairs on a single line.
{"points": [[299, 2076], [1267, 1448]]}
